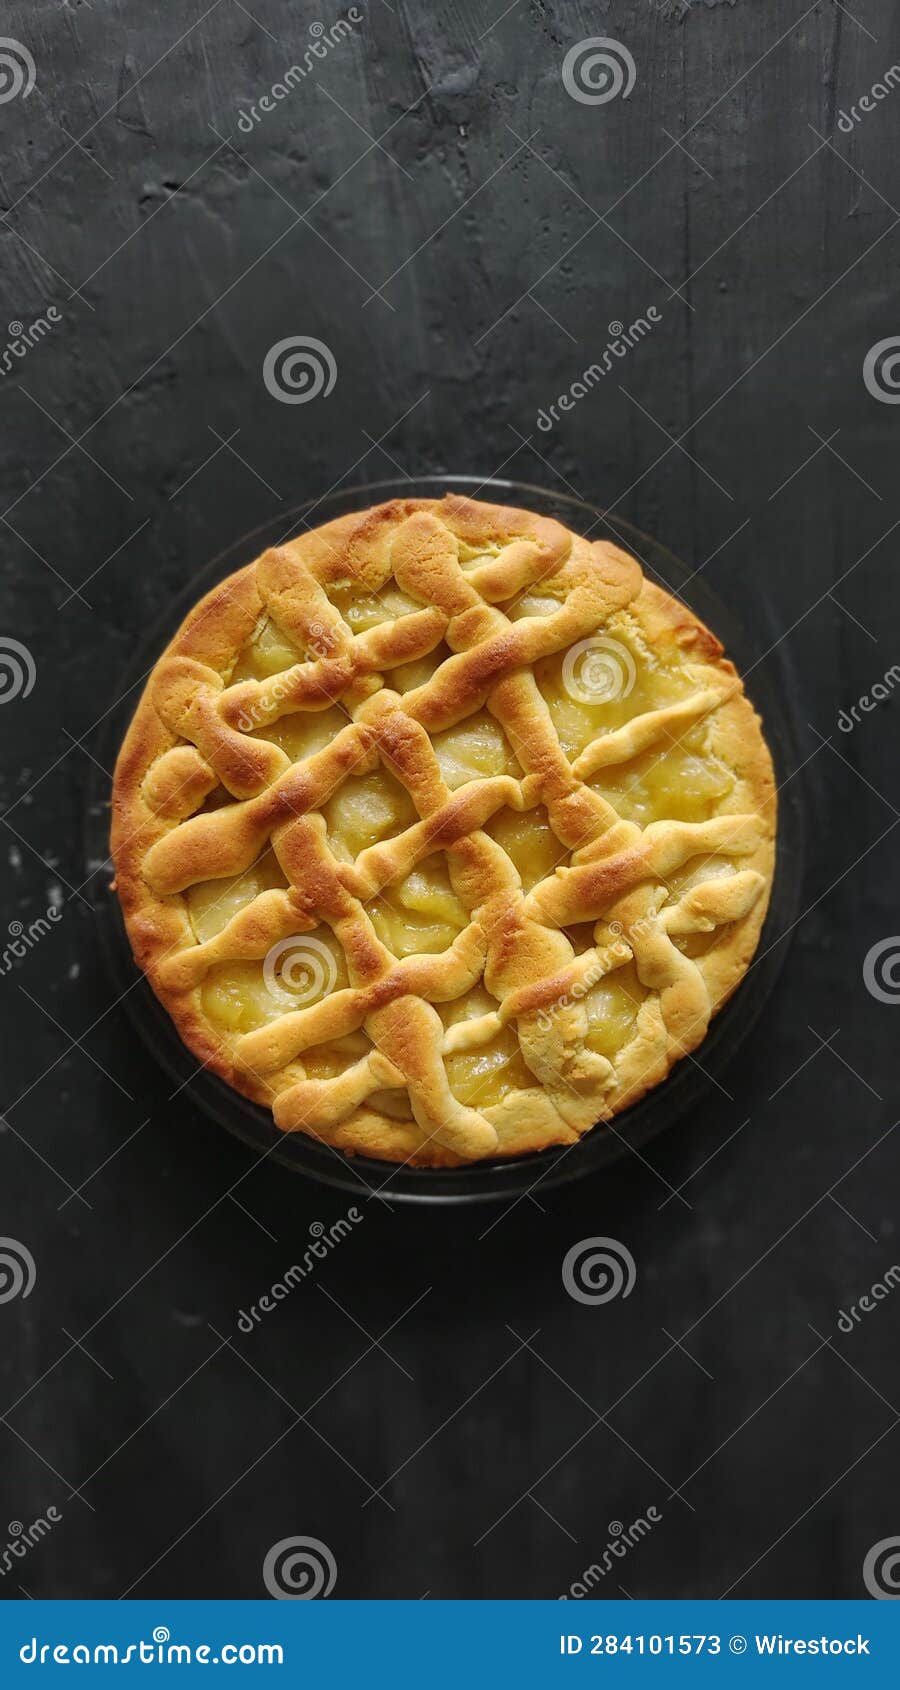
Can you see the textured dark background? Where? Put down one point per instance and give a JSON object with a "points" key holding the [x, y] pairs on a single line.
{"points": [[437, 158]]}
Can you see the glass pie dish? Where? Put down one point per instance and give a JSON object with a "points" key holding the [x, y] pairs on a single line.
{"points": [[406, 925]]}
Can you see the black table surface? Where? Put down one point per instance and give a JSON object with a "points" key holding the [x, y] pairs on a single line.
{"points": [[432, 201]]}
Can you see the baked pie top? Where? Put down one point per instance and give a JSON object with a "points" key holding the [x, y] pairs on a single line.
{"points": [[443, 832]]}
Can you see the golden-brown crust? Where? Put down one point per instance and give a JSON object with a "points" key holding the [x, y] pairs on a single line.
{"points": [[193, 731]]}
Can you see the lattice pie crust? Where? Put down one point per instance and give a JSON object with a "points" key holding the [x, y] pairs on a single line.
{"points": [[442, 832]]}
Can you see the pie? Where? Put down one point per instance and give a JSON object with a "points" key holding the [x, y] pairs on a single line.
{"points": [[442, 832]]}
